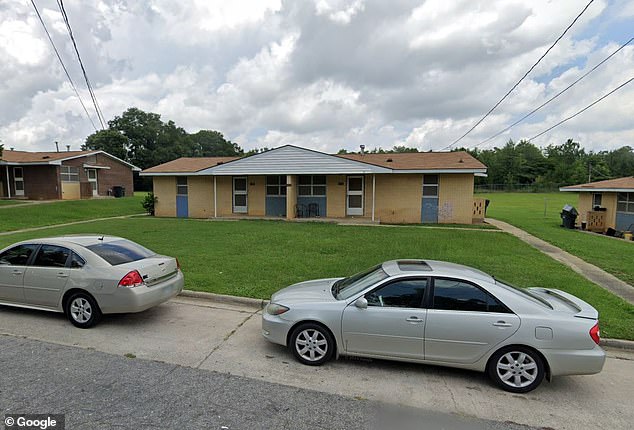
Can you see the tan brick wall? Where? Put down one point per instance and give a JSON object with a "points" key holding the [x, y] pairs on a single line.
{"points": [[398, 198], [609, 201], [224, 187], [335, 196], [367, 196], [585, 205], [455, 199], [200, 193], [256, 195], [165, 190]]}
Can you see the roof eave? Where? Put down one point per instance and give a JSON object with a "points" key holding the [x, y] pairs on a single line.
{"points": [[594, 190]]}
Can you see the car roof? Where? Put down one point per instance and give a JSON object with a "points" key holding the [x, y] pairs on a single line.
{"points": [[435, 268], [80, 239]]}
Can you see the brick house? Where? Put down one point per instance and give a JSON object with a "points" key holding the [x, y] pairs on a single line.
{"points": [[66, 175], [292, 182]]}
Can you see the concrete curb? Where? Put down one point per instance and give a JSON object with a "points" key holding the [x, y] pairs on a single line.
{"points": [[221, 298], [260, 304], [618, 344]]}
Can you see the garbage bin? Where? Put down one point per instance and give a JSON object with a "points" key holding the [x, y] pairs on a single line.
{"points": [[568, 216], [118, 191]]}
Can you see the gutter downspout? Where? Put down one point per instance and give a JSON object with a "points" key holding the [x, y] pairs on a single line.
{"points": [[215, 199], [8, 184], [373, 193]]}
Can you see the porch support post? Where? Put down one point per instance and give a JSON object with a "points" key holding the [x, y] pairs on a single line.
{"points": [[291, 196], [8, 184], [215, 198], [373, 194]]}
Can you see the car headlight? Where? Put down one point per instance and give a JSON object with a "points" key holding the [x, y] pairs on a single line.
{"points": [[275, 309]]}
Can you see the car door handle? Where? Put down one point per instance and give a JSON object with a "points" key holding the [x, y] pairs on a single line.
{"points": [[62, 275], [17, 272], [414, 320], [502, 324]]}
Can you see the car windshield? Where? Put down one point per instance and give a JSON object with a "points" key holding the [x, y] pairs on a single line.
{"points": [[523, 291], [348, 287], [120, 251]]}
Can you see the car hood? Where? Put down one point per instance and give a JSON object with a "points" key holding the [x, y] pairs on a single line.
{"points": [[318, 290]]}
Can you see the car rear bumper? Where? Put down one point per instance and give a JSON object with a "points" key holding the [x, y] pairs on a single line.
{"points": [[275, 329], [575, 362], [137, 299]]}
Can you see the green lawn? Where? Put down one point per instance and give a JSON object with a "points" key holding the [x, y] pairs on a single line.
{"points": [[67, 211], [526, 211], [255, 258]]}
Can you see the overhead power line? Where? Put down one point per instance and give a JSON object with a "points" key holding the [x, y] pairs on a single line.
{"points": [[583, 110], [72, 84], [555, 96], [521, 79], [60, 3]]}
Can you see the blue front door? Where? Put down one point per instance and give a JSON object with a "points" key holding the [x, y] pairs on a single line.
{"points": [[429, 210], [182, 210]]}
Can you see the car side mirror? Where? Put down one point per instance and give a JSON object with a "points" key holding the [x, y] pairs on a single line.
{"points": [[361, 303]]}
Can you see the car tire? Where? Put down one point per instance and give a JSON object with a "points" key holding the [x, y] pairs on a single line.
{"points": [[82, 310], [312, 344], [516, 369]]}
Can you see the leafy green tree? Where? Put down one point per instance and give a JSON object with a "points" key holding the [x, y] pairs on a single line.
{"points": [[1, 149], [111, 141], [210, 143], [620, 162]]}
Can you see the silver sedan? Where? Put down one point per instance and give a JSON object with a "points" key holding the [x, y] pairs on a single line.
{"points": [[86, 276], [439, 313]]}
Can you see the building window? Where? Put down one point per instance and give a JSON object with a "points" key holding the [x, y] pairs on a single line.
{"points": [[430, 185], [181, 186], [276, 186], [625, 202], [596, 200], [312, 185], [70, 174]]}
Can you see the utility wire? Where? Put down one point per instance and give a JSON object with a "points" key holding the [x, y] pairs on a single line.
{"points": [[72, 84], [60, 3], [555, 96], [521, 79], [583, 110]]}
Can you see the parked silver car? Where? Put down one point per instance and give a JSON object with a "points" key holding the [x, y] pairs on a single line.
{"points": [[439, 313], [86, 276]]}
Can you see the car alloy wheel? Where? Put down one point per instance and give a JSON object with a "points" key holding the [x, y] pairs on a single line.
{"points": [[82, 310], [312, 344], [517, 369]]}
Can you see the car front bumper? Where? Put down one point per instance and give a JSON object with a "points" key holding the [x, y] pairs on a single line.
{"points": [[575, 362], [137, 299], [274, 328]]}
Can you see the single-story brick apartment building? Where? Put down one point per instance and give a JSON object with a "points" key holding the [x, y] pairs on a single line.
{"points": [[62, 175], [293, 182], [606, 204]]}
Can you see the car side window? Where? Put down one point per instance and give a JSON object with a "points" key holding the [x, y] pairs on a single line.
{"points": [[18, 255], [76, 262], [456, 295], [51, 256], [405, 293]]}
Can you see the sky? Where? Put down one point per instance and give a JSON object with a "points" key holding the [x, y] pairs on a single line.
{"points": [[321, 74]]}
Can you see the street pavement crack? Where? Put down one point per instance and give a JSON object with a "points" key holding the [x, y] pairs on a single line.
{"points": [[226, 338]]}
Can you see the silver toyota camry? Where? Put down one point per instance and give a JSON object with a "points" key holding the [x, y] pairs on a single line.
{"points": [[439, 313], [86, 276]]}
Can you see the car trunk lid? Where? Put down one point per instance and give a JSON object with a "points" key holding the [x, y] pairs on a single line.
{"points": [[564, 302], [155, 269]]}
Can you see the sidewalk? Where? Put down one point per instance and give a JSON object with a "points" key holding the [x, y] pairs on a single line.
{"points": [[587, 270], [44, 227]]}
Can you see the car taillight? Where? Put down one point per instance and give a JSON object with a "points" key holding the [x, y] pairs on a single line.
{"points": [[595, 333], [178, 264], [132, 279]]}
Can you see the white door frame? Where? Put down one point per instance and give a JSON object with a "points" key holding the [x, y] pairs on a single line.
{"points": [[17, 179], [240, 209], [95, 190], [349, 210]]}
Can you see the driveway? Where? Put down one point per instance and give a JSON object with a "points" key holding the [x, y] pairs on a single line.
{"points": [[226, 338]]}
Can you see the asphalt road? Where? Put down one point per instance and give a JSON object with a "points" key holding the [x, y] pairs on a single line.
{"points": [[96, 390], [216, 337]]}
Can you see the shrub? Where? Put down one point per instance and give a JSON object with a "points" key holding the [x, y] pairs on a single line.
{"points": [[148, 203]]}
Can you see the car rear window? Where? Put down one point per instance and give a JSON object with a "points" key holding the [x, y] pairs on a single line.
{"points": [[120, 251], [524, 292]]}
